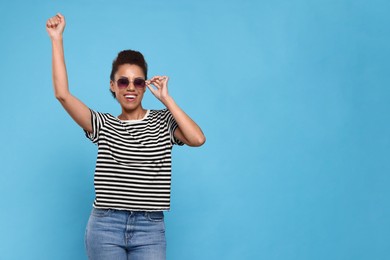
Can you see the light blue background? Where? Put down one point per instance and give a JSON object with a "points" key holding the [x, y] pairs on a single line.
{"points": [[293, 97]]}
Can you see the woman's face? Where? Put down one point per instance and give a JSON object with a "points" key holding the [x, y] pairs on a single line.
{"points": [[129, 97]]}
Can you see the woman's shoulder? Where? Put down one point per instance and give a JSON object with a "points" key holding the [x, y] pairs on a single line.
{"points": [[104, 116], [158, 113]]}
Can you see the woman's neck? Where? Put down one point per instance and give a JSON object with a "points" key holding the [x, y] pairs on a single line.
{"points": [[132, 115]]}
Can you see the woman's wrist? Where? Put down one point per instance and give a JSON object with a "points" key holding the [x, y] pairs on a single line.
{"points": [[58, 38], [167, 101]]}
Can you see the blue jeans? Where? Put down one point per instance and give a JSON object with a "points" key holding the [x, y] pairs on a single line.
{"points": [[122, 235]]}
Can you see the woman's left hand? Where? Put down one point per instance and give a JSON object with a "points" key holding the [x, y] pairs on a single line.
{"points": [[161, 87]]}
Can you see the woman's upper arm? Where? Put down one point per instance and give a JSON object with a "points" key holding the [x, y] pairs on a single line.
{"points": [[179, 135], [80, 113]]}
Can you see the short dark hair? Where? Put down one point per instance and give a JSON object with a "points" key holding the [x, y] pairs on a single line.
{"points": [[128, 57]]}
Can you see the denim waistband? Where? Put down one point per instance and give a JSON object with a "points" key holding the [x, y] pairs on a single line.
{"points": [[128, 212]]}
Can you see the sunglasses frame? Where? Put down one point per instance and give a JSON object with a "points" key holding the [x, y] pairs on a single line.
{"points": [[121, 83]]}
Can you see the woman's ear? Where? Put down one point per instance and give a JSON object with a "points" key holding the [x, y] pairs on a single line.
{"points": [[112, 86]]}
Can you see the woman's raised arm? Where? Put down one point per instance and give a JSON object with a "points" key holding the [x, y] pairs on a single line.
{"points": [[188, 131], [76, 109]]}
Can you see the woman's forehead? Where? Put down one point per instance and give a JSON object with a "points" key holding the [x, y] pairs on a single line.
{"points": [[130, 70]]}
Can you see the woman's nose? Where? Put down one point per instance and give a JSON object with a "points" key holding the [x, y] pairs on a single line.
{"points": [[131, 87]]}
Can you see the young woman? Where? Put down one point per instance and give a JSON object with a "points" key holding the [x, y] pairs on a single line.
{"points": [[133, 167]]}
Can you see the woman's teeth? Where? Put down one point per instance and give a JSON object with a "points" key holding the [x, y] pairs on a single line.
{"points": [[130, 96]]}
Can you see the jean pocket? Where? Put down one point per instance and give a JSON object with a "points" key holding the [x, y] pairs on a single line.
{"points": [[155, 216], [101, 212]]}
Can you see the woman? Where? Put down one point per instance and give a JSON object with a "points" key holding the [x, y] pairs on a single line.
{"points": [[133, 167]]}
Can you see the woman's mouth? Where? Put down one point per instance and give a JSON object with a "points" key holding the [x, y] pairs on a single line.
{"points": [[130, 97]]}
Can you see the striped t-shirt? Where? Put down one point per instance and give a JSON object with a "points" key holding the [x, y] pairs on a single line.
{"points": [[133, 166]]}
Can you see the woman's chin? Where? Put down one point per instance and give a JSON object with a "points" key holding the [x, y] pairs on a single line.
{"points": [[130, 105]]}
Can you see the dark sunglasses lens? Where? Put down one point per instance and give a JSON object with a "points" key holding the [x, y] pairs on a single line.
{"points": [[123, 83], [139, 83]]}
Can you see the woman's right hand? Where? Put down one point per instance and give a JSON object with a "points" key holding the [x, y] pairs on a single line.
{"points": [[55, 26]]}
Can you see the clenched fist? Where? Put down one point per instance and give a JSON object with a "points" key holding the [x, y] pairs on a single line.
{"points": [[55, 26]]}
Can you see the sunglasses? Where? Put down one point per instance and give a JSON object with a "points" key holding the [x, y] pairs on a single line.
{"points": [[124, 82]]}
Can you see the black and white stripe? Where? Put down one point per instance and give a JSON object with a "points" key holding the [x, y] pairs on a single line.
{"points": [[133, 166]]}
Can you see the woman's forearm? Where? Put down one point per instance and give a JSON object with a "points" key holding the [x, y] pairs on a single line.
{"points": [[188, 129], [60, 78]]}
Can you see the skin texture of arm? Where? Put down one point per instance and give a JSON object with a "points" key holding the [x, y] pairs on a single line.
{"points": [[76, 109]]}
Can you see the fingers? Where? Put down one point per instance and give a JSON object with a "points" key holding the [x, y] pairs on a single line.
{"points": [[60, 16], [159, 78], [158, 81], [158, 86], [54, 21]]}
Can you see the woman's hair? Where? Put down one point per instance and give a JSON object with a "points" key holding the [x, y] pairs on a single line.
{"points": [[128, 57]]}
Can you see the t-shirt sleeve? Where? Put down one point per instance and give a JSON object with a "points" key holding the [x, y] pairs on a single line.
{"points": [[172, 125], [97, 120]]}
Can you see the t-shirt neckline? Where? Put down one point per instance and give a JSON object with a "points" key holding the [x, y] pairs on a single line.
{"points": [[135, 120]]}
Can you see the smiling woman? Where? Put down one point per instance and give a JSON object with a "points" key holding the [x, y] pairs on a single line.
{"points": [[133, 166]]}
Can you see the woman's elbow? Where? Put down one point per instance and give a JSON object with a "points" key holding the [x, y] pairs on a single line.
{"points": [[62, 97], [198, 142], [202, 140]]}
